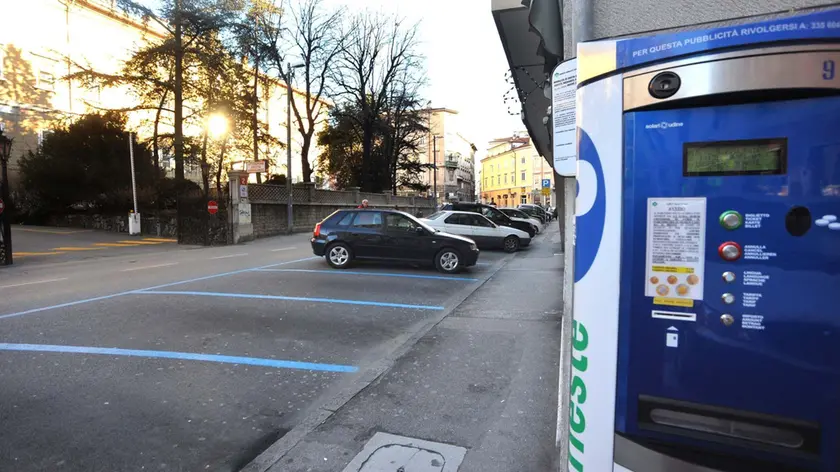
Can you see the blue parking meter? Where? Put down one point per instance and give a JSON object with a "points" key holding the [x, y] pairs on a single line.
{"points": [[707, 254]]}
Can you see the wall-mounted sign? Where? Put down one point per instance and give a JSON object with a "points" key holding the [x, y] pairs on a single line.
{"points": [[563, 93]]}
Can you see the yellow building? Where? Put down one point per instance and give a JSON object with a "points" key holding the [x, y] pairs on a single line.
{"points": [[36, 39], [512, 173]]}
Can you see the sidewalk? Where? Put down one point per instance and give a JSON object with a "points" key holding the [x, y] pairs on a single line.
{"points": [[483, 380]]}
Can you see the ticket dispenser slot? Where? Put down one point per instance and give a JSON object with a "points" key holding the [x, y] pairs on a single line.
{"points": [[731, 238]]}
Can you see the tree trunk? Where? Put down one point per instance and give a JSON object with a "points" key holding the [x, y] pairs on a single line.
{"points": [[179, 95], [306, 168]]}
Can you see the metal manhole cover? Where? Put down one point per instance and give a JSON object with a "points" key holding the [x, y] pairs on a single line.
{"points": [[390, 453]]}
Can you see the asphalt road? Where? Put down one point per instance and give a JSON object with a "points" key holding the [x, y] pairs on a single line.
{"points": [[194, 359]]}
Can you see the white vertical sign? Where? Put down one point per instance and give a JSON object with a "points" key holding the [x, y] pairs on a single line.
{"points": [[563, 91]]}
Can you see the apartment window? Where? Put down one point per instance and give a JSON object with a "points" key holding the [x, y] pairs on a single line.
{"points": [[42, 135], [523, 159], [523, 199], [46, 81], [523, 176]]}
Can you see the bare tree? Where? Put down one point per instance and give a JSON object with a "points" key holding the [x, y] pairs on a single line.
{"points": [[377, 52], [312, 41]]}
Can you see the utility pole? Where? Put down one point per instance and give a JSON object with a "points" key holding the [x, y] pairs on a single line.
{"points": [[434, 169]]}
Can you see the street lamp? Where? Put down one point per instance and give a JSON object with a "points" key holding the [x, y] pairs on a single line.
{"points": [[217, 125], [5, 153], [289, 74]]}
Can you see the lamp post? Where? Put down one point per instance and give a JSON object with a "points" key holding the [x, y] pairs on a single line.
{"points": [[289, 74], [5, 152]]}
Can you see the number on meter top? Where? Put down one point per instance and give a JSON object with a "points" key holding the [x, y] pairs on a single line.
{"points": [[828, 69]]}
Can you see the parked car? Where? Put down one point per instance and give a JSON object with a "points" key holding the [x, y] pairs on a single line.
{"points": [[389, 235], [536, 211], [515, 213], [493, 214], [480, 229]]}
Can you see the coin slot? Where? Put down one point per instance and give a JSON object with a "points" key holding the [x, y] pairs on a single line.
{"points": [[798, 221]]}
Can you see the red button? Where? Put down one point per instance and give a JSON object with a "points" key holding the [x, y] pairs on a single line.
{"points": [[730, 251]]}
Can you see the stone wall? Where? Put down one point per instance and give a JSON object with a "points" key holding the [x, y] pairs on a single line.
{"points": [[268, 206]]}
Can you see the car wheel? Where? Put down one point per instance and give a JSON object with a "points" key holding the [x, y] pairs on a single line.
{"points": [[448, 261], [511, 244], [339, 255]]}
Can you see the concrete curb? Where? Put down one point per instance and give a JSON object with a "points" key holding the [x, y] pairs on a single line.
{"points": [[373, 373]]}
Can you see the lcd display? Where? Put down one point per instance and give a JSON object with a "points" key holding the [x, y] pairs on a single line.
{"points": [[745, 157]]}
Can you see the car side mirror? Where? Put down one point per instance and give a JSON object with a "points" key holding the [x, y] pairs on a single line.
{"points": [[419, 230]]}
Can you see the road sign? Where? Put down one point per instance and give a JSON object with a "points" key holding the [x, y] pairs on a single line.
{"points": [[212, 207], [546, 183], [2, 206], [255, 167], [546, 191]]}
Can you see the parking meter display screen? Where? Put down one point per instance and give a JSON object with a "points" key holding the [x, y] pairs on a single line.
{"points": [[721, 158]]}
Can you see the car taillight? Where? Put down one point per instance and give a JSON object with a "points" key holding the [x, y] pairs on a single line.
{"points": [[317, 231]]}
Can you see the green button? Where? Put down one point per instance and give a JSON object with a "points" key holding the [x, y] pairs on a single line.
{"points": [[731, 220]]}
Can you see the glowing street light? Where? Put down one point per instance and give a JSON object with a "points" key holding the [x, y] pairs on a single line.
{"points": [[217, 125]]}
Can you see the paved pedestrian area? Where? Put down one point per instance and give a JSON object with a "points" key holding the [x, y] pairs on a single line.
{"points": [[197, 359]]}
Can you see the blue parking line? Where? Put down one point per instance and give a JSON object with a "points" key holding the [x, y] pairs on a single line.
{"points": [[296, 299], [113, 295], [374, 274], [188, 356]]}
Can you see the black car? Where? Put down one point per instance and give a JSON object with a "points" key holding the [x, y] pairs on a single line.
{"points": [[493, 214], [389, 235], [535, 212]]}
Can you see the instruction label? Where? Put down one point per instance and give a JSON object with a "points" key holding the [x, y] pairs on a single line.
{"points": [[563, 106], [675, 252]]}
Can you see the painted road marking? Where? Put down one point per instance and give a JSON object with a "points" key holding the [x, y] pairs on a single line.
{"points": [[148, 243], [27, 254], [78, 248], [113, 295], [294, 299], [33, 283], [374, 274], [32, 230], [115, 245], [283, 249], [149, 267], [161, 240], [188, 356], [229, 256]]}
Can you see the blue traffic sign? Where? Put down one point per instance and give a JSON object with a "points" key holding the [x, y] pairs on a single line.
{"points": [[546, 183]]}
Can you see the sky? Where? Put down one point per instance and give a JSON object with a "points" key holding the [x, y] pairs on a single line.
{"points": [[465, 61]]}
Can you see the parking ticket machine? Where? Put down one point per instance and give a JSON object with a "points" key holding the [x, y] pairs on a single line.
{"points": [[707, 256]]}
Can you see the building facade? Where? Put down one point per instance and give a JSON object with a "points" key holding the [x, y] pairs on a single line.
{"points": [[453, 156], [35, 56], [512, 173]]}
